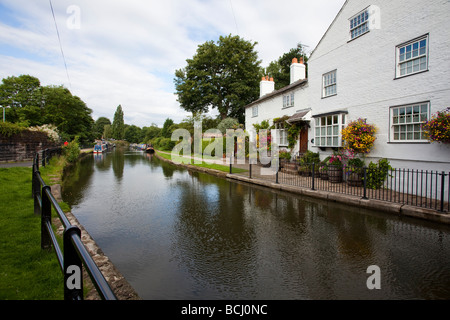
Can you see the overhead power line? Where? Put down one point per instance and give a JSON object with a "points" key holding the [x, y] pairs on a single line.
{"points": [[234, 16], [60, 45]]}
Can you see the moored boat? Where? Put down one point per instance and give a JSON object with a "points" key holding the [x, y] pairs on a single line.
{"points": [[100, 147], [150, 149]]}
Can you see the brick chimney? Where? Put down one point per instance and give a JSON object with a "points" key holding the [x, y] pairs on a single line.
{"points": [[266, 86], [298, 70]]}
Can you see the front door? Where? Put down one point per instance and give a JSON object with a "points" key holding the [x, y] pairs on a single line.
{"points": [[303, 144]]}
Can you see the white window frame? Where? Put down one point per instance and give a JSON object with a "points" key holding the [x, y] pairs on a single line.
{"points": [[412, 57], [329, 84], [406, 122], [359, 24], [254, 111], [282, 135], [288, 100], [327, 130], [283, 138]]}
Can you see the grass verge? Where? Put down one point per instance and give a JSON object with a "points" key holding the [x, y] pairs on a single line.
{"points": [[203, 165], [26, 271]]}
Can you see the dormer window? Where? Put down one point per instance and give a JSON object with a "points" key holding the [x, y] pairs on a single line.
{"points": [[359, 24]]}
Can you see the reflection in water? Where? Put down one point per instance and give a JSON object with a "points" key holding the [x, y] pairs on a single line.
{"points": [[177, 234]]}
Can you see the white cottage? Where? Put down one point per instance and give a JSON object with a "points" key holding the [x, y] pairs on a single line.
{"points": [[289, 101], [385, 61]]}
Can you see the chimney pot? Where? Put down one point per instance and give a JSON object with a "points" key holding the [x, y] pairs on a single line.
{"points": [[294, 60], [266, 86]]}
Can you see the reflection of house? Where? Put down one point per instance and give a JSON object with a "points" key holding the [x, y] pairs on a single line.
{"points": [[386, 61]]}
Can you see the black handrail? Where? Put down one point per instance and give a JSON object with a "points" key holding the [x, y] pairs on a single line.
{"points": [[74, 254]]}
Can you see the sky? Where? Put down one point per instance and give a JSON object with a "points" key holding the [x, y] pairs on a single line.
{"points": [[119, 52]]}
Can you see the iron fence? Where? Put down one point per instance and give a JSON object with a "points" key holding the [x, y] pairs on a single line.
{"points": [[422, 188], [73, 254]]}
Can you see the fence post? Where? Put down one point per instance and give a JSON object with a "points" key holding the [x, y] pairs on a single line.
{"points": [[278, 170], [73, 272], [250, 170], [442, 190], [365, 182], [231, 166], [46, 215], [313, 169], [35, 189], [43, 158]]}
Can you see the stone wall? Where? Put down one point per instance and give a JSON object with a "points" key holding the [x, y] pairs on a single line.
{"points": [[23, 146]]}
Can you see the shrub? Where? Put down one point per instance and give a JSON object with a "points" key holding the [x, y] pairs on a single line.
{"points": [[355, 162], [377, 173], [284, 154], [9, 129], [71, 151], [310, 157]]}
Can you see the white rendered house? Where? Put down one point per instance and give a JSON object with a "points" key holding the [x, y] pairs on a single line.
{"points": [[288, 101], [385, 61]]}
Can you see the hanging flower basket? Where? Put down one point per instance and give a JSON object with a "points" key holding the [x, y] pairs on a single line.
{"points": [[438, 128], [359, 136]]}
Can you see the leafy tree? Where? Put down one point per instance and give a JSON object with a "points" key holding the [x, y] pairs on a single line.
{"points": [[118, 125], [223, 75], [107, 131], [133, 134], [228, 123], [151, 132], [166, 132], [99, 126], [280, 69], [68, 113], [24, 95]]}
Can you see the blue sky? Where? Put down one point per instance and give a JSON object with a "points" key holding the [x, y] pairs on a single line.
{"points": [[126, 52]]}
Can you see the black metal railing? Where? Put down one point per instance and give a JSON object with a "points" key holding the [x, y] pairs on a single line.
{"points": [[73, 255], [421, 188], [47, 154]]}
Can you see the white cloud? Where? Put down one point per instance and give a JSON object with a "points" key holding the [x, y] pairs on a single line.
{"points": [[126, 52]]}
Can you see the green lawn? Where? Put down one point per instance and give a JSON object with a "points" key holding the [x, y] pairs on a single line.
{"points": [[26, 271], [214, 166]]}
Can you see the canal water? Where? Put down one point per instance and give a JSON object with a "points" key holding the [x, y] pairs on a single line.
{"points": [[176, 234]]}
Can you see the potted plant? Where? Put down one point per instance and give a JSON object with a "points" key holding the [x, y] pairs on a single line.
{"points": [[335, 168], [285, 157], [323, 168], [355, 171], [307, 161]]}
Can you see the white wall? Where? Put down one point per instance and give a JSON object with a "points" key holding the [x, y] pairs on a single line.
{"points": [[273, 108], [366, 70]]}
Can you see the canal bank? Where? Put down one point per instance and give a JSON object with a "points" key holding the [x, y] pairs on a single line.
{"points": [[385, 206]]}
